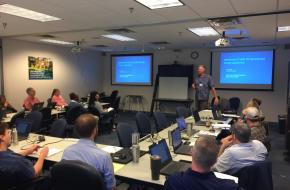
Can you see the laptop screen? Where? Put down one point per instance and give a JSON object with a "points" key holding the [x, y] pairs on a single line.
{"points": [[161, 149], [176, 138], [181, 123], [22, 128]]}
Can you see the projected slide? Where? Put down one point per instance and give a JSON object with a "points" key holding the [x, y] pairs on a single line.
{"points": [[243, 69], [132, 69], [246, 67]]}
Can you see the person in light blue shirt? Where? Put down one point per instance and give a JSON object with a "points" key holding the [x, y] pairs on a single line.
{"points": [[238, 151], [85, 150]]}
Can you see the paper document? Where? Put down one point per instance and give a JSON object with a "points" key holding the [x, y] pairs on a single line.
{"points": [[110, 109], [117, 167], [210, 133], [51, 151], [221, 126], [111, 149], [225, 176], [231, 115]]}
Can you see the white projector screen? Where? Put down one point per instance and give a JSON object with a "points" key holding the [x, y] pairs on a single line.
{"points": [[243, 69], [173, 88]]}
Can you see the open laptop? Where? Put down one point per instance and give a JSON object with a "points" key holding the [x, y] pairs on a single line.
{"points": [[23, 128], [168, 166], [37, 106], [178, 146], [181, 123], [198, 121]]}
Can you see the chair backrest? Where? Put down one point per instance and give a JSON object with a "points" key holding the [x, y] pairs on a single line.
{"points": [[69, 174], [36, 118], [124, 133], [143, 124], [161, 121], [73, 113], [20, 114], [58, 128], [93, 110], [46, 113], [183, 112], [234, 103], [114, 95], [257, 176], [116, 104]]}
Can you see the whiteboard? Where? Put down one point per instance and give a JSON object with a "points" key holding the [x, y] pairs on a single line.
{"points": [[173, 88]]}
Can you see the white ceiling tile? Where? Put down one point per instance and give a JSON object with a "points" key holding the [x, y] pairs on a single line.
{"points": [[254, 6]]}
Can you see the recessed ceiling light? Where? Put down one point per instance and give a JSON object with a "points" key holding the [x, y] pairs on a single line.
{"points": [[283, 28], [57, 42], [119, 37], [204, 31], [26, 13], [158, 4]]}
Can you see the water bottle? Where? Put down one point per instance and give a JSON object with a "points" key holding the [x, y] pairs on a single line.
{"points": [[14, 136], [136, 153]]}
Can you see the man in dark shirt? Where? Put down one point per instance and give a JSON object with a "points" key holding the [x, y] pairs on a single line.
{"points": [[15, 169], [203, 85], [200, 177]]}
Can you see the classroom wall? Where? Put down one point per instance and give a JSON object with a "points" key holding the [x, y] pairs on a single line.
{"points": [[78, 73], [274, 102]]}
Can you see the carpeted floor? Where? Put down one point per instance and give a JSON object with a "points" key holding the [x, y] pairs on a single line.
{"points": [[280, 168]]}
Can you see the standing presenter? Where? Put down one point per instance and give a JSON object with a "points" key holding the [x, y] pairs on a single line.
{"points": [[203, 85]]}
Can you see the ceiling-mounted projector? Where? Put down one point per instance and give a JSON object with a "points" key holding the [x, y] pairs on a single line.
{"points": [[223, 42]]}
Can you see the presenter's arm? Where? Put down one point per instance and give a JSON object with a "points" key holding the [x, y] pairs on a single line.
{"points": [[214, 94], [193, 85]]}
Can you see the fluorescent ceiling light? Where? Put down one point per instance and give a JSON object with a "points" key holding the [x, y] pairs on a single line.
{"points": [[283, 28], [119, 37], [26, 13], [204, 31], [158, 4], [56, 42]]}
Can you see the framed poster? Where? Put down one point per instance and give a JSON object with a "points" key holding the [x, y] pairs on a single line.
{"points": [[40, 68]]}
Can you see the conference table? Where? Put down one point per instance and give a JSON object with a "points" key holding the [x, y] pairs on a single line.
{"points": [[139, 173]]}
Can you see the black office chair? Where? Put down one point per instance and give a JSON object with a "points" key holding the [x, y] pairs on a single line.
{"points": [[76, 175], [36, 118], [39, 183], [73, 113], [124, 133], [106, 121], [143, 124], [20, 114], [257, 176], [234, 105], [58, 128], [116, 104], [183, 112], [161, 121], [47, 118]]}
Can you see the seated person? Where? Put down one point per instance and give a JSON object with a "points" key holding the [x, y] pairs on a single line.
{"points": [[30, 100], [94, 101], [6, 106], [85, 149], [238, 151], [255, 102], [74, 100], [200, 176], [57, 98], [15, 168], [252, 118]]}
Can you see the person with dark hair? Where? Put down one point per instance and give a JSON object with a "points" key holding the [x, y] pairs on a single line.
{"points": [[203, 85], [85, 149], [200, 176], [15, 169], [5, 105], [57, 98], [74, 100], [238, 151], [30, 100], [94, 101]]}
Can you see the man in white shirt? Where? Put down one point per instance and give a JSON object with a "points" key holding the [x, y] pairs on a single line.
{"points": [[238, 151]]}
